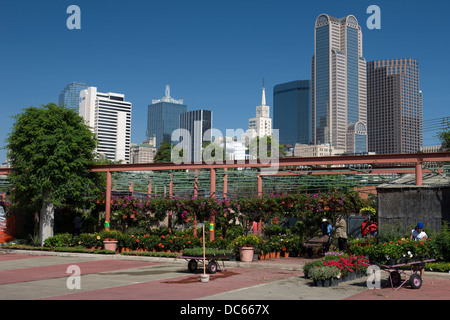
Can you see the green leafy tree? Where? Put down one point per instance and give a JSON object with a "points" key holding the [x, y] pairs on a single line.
{"points": [[163, 153], [444, 136], [50, 149], [269, 147]]}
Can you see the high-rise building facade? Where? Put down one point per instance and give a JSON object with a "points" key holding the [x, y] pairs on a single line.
{"points": [[70, 96], [199, 125], [339, 85], [292, 112], [163, 118], [394, 106], [109, 116]]}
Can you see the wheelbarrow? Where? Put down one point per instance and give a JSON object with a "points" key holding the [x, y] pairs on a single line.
{"points": [[409, 269], [212, 262]]}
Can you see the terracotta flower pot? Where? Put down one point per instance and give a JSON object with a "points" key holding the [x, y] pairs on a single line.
{"points": [[110, 244], [246, 254]]}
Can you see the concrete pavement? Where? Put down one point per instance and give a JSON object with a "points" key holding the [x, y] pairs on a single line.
{"points": [[53, 276]]}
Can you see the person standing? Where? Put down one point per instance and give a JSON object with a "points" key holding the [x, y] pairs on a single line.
{"points": [[341, 233], [77, 224], [417, 234], [365, 227], [326, 231]]}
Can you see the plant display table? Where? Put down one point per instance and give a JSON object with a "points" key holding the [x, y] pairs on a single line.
{"points": [[409, 269]]}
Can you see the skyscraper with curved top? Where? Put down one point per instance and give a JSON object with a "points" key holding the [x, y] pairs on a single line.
{"points": [[339, 85]]}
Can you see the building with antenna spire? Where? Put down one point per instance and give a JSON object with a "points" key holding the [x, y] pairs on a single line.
{"points": [[163, 118]]}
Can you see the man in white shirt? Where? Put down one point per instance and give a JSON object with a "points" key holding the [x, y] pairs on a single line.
{"points": [[417, 234]]}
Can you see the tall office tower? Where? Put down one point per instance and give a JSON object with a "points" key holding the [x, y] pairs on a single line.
{"points": [[70, 96], [164, 117], [262, 124], [109, 116], [291, 112], [339, 86], [199, 125], [394, 106]]}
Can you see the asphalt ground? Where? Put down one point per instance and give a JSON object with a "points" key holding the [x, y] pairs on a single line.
{"points": [[52, 276]]}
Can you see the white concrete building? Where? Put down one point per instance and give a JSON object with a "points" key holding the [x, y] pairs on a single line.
{"points": [[322, 150], [109, 116], [145, 152], [262, 123]]}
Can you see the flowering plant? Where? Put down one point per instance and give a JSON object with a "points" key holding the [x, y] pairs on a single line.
{"points": [[249, 240], [325, 272]]}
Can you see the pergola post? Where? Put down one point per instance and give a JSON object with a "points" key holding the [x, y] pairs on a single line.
{"points": [[212, 194], [170, 197], [418, 173], [108, 199], [225, 196], [260, 194], [195, 197]]}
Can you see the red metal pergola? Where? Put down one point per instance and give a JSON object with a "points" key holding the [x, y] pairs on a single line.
{"points": [[392, 163]]}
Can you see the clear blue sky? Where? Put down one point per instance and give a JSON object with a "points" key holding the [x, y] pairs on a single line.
{"points": [[213, 53]]}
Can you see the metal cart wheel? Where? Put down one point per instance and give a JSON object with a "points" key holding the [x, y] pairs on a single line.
{"points": [[212, 267], [396, 278], [192, 265], [416, 281]]}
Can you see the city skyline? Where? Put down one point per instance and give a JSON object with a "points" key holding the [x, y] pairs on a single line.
{"points": [[213, 54]]}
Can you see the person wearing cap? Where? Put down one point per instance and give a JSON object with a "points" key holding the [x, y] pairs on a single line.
{"points": [[326, 231], [326, 227], [417, 234]]}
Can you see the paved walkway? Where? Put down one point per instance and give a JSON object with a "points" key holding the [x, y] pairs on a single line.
{"points": [[48, 276]]}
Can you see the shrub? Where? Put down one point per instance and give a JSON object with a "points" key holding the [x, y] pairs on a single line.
{"points": [[438, 266], [442, 241], [59, 240]]}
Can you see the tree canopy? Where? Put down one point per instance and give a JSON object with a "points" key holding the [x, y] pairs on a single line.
{"points": [[444, 136], [50, 149]]}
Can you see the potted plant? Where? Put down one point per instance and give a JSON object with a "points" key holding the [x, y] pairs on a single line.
{"points": [[246, 245], [110, 239], [325, 275]]}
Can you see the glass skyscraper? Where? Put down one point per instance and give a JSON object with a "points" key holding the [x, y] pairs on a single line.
{"points": [[164, 117], [199, 125], [339, 85], [394, 106], [70, 96], [291, 112]]}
